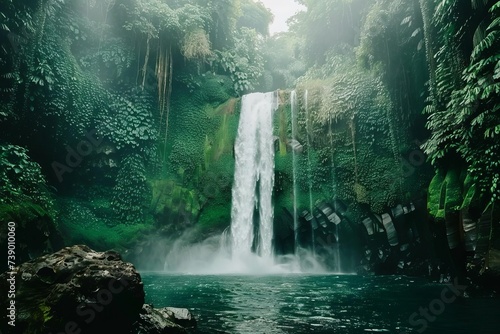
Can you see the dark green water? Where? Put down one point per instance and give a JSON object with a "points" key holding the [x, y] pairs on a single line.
{"points": [[320, 304]]}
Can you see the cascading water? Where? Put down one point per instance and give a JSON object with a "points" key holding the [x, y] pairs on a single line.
{"points": [[254, 175], [309, 171], [246, 247], [334, 191], [293, 102]]}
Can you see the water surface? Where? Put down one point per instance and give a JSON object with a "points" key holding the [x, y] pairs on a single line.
{"points": [[319, 304]]}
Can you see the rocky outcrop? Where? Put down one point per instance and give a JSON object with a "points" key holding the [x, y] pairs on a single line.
{"points": [[78, 290], [171, 320], [157, 321], [181, 316]]}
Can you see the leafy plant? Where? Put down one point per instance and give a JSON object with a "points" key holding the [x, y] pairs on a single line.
{"points": [[130, 123], [21, 179], [131, 194], [196, 45], [244, 62], [464, 105]]}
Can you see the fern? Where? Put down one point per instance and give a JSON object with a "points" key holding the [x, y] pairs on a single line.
{"points": [[490, 40]]}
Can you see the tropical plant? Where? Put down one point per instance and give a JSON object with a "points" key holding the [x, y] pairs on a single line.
{"points": [[464, 91], [21, 179], [132, 195]]}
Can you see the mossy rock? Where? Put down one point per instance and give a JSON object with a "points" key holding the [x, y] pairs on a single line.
{"points": [[56, 289]]}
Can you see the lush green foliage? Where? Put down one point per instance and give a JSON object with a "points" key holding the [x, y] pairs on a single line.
{"points": [[255, 16], [284, 61], [130, 122], [465, 86], [159, 83], [244, 61], [131, 194], [22, 179], [85, 222], [349, 127]]}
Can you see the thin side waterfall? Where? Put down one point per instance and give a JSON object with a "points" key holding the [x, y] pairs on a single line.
{"points": [[293, 102], [254, 175], [334, 191], [338, 266], [311, 207]]}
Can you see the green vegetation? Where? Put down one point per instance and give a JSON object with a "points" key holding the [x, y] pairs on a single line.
{"points": [[22, 182], [159, 85]]}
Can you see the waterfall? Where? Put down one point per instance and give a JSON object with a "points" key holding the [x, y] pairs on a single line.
{"points": [[254, 175], [334, 192], [247, 246], [309, 172], [337, 250], [293, 102]]}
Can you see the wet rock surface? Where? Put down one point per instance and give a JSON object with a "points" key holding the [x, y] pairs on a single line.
{"points": [[78, 290], [181, 316], [157, 321]]}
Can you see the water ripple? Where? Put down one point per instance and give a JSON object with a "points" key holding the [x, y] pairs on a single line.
{"points": [[290, 304]]}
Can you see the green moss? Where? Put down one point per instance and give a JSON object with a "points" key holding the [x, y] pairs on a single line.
{"points": [[221, 141], [215, 89], [169, 196], [284, 163], [282, 125], [215, 217], [351, 148], [202, 128], [202, 132], [79, 224]]}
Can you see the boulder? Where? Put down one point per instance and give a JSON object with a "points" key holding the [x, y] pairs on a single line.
{"points": [[78, 290], [156, 321], [181, 316]]}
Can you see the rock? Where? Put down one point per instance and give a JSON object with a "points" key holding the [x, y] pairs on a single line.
{"points": [[181, 316], [295, 145], [157, 321], [78, 290]]}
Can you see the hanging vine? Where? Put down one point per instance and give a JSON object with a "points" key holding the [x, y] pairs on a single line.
{"points": [[164, 75]]}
